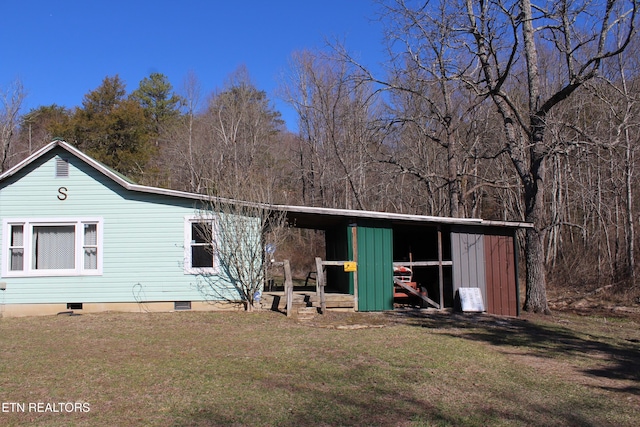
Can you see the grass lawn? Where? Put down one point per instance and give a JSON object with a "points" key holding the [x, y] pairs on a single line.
{"points": [[387, 369]]}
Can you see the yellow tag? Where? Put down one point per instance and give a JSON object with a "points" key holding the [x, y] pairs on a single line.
{"points": [[350, 266]]}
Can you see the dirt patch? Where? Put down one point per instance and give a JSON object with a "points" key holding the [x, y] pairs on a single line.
{"points": [[348, 320]]}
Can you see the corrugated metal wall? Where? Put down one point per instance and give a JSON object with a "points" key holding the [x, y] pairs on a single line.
{"points": [[468, 256], [486, 259], [375, 268], [501, 275]]}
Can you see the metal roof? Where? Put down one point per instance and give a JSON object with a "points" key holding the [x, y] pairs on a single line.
{"points": [[315, 217], [300, 216]]}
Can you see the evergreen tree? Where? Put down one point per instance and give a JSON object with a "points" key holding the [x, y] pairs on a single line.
{"points": [[41, 125], [113, 129], [161, 105]]}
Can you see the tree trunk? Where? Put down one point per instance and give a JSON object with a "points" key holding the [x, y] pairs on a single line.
{"points": [[629, 212], [536, 293], [454, 179]]}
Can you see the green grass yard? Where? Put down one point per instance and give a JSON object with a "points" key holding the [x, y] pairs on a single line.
{"points": [[263, 369]]}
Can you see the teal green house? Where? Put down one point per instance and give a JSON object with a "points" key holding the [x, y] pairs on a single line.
{"points": [[75, 235]]}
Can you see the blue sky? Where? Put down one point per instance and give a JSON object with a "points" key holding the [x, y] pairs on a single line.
{"points": [[62, 49]]}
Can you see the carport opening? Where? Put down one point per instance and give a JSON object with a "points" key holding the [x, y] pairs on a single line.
{"points": [[300, 246], [419, 244]]}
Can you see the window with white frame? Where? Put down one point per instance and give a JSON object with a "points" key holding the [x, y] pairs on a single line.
{"points": [[199, 255], [52, 247]]}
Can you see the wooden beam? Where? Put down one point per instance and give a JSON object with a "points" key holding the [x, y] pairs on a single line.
{"points": [[422, 263], [332, 263], [416, 293]]}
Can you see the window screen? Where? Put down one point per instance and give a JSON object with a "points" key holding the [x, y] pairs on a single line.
{"points": [[16, 248], [90, 246], [54, 247]]}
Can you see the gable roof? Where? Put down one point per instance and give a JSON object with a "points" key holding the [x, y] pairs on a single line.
{"points": [[303, 215], [100, 167]]}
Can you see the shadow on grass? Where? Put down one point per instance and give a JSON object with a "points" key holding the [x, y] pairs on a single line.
{"points": [[330, 409], [617, 359], [313, 403], [317, 405]]}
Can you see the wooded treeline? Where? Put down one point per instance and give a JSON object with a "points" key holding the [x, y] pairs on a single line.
{"points": [[502, 110]]}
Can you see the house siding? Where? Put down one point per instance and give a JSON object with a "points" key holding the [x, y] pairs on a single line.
{"points": [[143, 236]]}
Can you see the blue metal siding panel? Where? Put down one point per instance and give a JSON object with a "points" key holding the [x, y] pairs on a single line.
{"points": [[143, 246]]}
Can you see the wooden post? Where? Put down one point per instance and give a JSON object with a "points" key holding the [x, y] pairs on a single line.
{"points": [[440, 269], [288, 287], [319, 275], [320, 285], [323, 301]]}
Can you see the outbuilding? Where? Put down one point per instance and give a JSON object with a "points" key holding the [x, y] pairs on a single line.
{"points": [[443, 256]]}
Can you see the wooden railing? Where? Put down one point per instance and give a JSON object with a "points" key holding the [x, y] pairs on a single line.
{"points": [[320, 282], [288, 283]]}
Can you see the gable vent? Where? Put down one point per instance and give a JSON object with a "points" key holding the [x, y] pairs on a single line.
{"points": [[62, 167]]}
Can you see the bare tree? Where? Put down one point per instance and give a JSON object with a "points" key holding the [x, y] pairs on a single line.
{"points": [[593, 177], [580, 49], [242, 126], [183, 152], [334, 117], [234, 235], [232, 159], [427, 96], [228, 145], [192, 93], [622, 109], [493, 48], [10, 103]]}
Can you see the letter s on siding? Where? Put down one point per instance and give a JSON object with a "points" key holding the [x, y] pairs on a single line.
{"points": [[62, 193]]}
